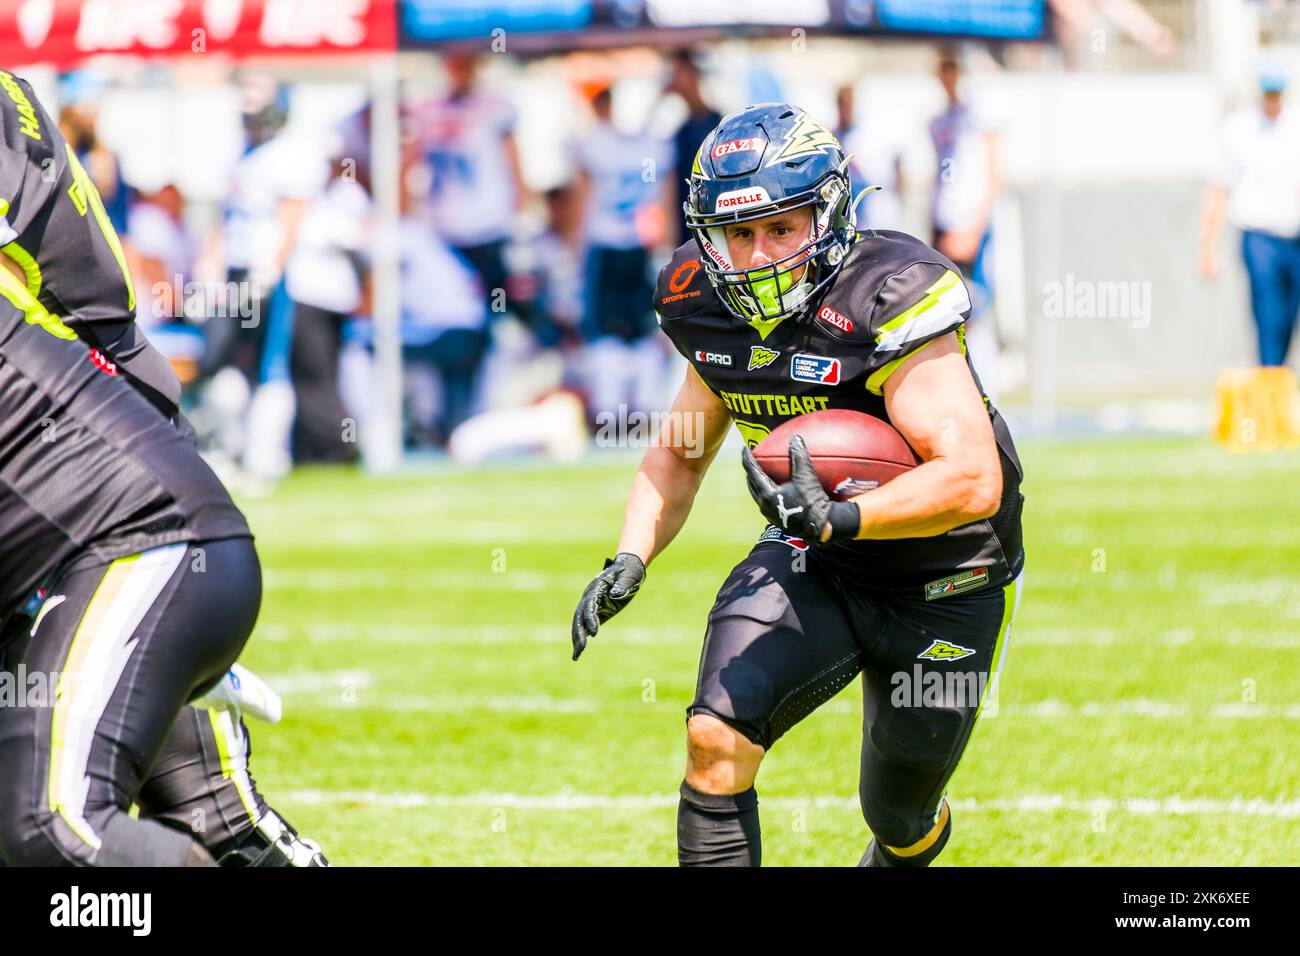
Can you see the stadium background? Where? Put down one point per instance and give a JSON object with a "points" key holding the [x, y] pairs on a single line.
{"points": [[417, 605]]}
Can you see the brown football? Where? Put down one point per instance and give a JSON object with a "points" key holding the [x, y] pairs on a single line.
{"points": [[853, 452]]}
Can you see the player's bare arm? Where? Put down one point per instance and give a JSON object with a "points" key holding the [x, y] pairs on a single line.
{"points": [[933, 402], [662, 494], [670, 474]]}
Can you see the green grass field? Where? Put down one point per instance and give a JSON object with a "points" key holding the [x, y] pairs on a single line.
{"points": [[417, 627]]}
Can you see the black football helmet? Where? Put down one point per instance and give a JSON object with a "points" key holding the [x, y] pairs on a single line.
{"points": [[760, 161]]}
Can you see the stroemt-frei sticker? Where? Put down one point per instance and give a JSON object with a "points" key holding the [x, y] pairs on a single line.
{"points": [[956, 583], [815, 368]]}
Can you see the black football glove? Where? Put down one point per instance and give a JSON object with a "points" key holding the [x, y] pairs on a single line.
{"points": [[605, 596], [801, 505]]}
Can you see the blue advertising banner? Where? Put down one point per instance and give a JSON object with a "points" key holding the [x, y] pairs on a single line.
{"points": [[564, 23]]}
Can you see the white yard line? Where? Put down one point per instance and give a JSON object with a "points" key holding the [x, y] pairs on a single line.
{"points": [[356, 689], [331, 632], [1170, 806]]}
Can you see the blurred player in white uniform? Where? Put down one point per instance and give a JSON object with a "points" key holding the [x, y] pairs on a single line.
{"points": [[875, 159], [467, 139], [248, 348], [325, 279], [620, 195], [1255, 184]]}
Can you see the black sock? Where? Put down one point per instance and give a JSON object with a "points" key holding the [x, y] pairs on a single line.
{"points": [[718, 829], [127, 842], [877, 855]]}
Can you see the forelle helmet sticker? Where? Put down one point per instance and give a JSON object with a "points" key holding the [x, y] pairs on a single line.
{"points": [[741, 198]]}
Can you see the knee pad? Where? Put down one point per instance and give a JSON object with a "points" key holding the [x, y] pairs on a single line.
{"points": [[922, 739]]}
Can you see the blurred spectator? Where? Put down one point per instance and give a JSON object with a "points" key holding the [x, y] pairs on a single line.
{"points": [[876, 159], [684, 80], [549, 274], [966, 187], [444, 331], [249, 346], [619, 197], [161, 257], [467, 139], [324, 278], [80, 92], [1076, 23], [1256, 183]]}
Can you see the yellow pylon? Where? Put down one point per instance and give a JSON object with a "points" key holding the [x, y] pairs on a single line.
{"points": [[1259, 409]]}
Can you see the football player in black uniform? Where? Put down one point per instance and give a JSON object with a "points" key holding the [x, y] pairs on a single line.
{"points": [[783, 308], [128, 579]]}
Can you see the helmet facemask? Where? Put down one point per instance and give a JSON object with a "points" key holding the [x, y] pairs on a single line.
{"points": [[771, 292]]}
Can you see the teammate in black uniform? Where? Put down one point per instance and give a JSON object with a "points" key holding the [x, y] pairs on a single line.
{"points": [[126, 569], [782, 308]]}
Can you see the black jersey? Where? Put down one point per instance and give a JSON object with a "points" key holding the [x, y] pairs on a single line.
{"points": [[88, 467], [893, 296], [54, 226]]}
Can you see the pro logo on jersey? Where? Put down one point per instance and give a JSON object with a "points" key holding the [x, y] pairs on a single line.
{"points": [[831, 317], [714, 358], [760, 357], [815, 368]]}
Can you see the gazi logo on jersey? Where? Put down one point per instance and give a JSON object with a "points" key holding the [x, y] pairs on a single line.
{"points": [[713, 358], [760, 357], [831, 317], [815, 368]]}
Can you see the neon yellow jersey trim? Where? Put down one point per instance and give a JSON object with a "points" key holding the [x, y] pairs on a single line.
{"points": [[27, 262], [949, 280], [876, 380], [35, 313], [81, 184]]}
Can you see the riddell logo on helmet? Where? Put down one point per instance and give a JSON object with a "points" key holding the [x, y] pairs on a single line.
{"points": [[740, 198], [737, 146], [831, 317]]}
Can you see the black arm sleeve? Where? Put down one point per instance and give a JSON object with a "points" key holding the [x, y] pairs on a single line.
{"points": [[125, 346]]}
